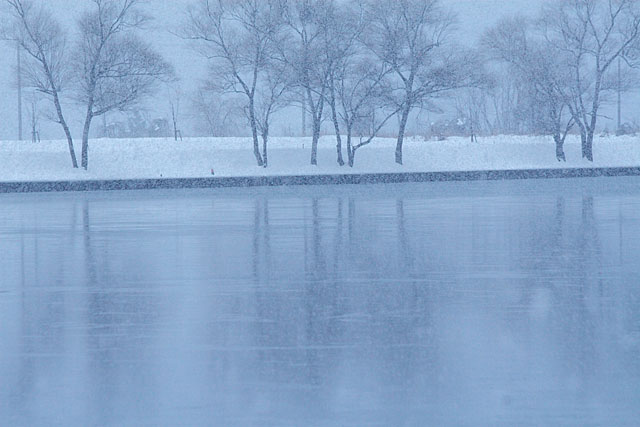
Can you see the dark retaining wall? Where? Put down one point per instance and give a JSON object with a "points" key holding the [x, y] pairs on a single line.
{"points": [[272, 181]]}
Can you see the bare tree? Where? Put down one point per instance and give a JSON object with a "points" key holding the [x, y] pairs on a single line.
{"points": [[543, 70], [117, 69], [408, 35], [273, 86], [471, 105], [341, 41], [502, 96], [216, 114], [238, 35], [175, 96], [363, 92], [34, 116], [303, 50], [592, 34], [46, 66]]}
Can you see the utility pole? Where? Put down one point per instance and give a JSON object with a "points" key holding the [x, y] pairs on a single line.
{"points": [[304, 114], [19, 71], [619, 94]]}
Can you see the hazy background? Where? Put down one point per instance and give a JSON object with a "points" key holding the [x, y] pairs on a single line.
{"points": [[474, 16]]}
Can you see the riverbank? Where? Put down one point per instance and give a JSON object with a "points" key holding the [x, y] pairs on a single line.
{"points": [[274, 181], [163, 163]]}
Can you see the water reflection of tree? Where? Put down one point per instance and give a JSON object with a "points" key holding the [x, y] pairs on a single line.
{"points": [[119, 319], [393, 295], [101, 328], [44, 308], [582, 326], [295, 320], [580, 258], [381, 319], [26, 377]]}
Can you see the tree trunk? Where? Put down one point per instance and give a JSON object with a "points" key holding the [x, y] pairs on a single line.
{"points": [[336, 124], [265, 157], [254, 133], [588, 146], [314, 142], [317, 111], [583, 139], [72, 151], [586, 139], [559, 148], [587, 149], [85, 138], [175, 130], [67, 132], [175, 124], [401, 131], [350, 151]]}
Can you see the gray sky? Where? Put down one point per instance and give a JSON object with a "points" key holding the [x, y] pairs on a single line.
{"points": [[474, 17]]}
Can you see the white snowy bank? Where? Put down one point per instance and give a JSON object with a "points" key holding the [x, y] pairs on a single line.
{"points": [[233, 157]]}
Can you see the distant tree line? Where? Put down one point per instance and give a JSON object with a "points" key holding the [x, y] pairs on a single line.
{"points": [[356, 64], [360, 63], [562, 64], [360, 66]]}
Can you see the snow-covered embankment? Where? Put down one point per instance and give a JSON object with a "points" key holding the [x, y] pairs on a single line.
{"points": [[233, 157]]}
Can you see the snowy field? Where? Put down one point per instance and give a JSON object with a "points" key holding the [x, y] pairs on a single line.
{"points": [[196, 157]]}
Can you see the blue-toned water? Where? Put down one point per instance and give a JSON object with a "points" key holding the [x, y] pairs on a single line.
{"points": [[431, 304]]}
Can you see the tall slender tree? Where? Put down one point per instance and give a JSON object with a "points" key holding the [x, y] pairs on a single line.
{"points": [[303, 50], [408, 35], [117, 69], [592, 34], [46, 66], [237, 36], [542, 69]]}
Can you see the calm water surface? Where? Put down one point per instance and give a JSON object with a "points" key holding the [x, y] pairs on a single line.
{"points": [[442, 304]]}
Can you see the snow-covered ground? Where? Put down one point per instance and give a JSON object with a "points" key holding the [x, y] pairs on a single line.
{"points": [[196, 157]]}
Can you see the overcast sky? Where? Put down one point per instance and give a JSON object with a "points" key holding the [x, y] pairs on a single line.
{"points": [[474, 17]]}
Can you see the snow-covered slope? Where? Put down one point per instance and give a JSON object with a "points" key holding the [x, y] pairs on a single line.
{"points": [[196, 157]]}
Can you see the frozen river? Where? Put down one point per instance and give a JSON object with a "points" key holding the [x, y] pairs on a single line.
{"points": [[460, 303]]}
